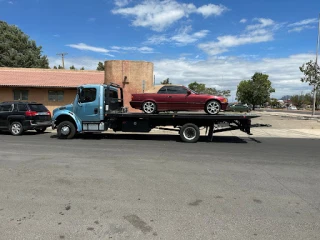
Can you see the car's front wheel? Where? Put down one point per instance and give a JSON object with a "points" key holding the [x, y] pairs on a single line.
{"points": [[212, 107], [149, 107], [16, 128], [66, 130]]}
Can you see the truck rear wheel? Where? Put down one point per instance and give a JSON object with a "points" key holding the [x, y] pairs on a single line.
{"points": [[189, 133], [66, 130]]}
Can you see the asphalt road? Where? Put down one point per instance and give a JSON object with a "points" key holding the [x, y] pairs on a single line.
{"points": [[288, 111], [155, 187]]}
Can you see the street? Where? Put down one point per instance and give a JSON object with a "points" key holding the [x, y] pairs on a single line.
{"points": [[156, 187], [288, 111]]}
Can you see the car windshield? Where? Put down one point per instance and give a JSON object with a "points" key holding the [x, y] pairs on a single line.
{"points": [[38, 108]]}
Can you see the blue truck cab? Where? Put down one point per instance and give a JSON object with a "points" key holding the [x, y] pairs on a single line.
{"points": [[87, 112]]}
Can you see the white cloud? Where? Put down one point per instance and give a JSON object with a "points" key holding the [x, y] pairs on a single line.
{"points": [[91, 19], [243, 20], [302, 25], [133, 49], [121, 3], [211, 9], [260, 32], [158, 15], [303, 22], [56, 35], [227, 72], [10, 2], [182, 37], [85, 47]]}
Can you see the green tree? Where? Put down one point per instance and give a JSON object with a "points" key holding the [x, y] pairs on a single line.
{"points": [[60, 67], [166, 81], [255, 91], [17, 50], [197, 87], [72, 68], [100, 66], [55, 67], [274, 103], [311, 71], [298, 100], [82, 68], [201, 88]]}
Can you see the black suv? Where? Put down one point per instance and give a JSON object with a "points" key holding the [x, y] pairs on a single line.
{"points": [[18, 117]]}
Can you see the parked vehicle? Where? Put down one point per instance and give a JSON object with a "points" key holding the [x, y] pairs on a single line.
{"points": [[239, 108], [177, 98], [292, 108], [97, 108], [18, 117]]}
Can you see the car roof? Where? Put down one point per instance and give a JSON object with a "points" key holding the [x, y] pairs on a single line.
{"points": [[156, 88]]}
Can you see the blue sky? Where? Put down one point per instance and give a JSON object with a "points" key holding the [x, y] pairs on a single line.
{"points": [[218, 43]]}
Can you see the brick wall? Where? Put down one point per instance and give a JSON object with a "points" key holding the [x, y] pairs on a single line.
{"points": [[129, 75]]}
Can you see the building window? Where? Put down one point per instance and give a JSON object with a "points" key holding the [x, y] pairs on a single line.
{"points": [[20, 95], [55, 96]]}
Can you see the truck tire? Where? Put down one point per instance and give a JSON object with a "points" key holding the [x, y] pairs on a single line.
{"points": [[212, 107], [189, 133], [16, 128], [66, 130], [149, 107]]}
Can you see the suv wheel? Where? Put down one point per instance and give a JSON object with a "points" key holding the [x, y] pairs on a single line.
{"points": [[16, 128], [41, 130], [66, 130]]}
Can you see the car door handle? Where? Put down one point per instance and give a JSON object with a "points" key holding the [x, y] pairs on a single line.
{"points": [[95, 110]]}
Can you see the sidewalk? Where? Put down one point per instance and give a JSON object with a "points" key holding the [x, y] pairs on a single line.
{"points": [[286, 114]]}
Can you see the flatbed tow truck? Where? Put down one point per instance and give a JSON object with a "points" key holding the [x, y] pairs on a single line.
{"points": [[97, 108]]}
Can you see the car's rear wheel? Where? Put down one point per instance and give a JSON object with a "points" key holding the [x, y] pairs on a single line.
{"points": [[41, 130], [149, 107], [66, 130], [189, 133], [212, 107], [16, 128]]}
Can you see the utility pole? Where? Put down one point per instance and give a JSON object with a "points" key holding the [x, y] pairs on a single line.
{"points": [[62, 56], [316, 67]]}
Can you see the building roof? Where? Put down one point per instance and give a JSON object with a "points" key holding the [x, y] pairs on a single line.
{"points": [[34, 77]]}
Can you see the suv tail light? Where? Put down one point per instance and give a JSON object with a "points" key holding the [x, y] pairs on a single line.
{"points": [[49, 113], [30, 113]]}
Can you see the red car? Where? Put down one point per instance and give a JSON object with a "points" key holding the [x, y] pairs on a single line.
{"points": [[177, 98]]}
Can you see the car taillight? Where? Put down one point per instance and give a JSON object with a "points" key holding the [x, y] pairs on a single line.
{"points": [[49, 113], [31, 113]]}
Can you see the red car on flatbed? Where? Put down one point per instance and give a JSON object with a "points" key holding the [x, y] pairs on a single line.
{"points": [[177, 98]]}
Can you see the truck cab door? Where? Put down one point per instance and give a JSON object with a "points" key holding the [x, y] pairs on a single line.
{"points": [[87, 106]]}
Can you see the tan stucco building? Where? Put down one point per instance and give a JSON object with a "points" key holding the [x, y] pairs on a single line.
{"points": [[57, 87]]}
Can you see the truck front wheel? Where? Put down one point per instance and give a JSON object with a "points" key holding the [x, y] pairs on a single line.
{"points": [[189, 133], [66, 130]]}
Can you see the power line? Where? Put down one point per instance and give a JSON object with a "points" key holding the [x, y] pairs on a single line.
{"points": [[62, 56]]}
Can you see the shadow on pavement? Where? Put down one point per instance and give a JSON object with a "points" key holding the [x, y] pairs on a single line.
{"points": [[156, 137]]}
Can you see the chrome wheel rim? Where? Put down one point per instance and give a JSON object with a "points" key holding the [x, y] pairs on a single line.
{"points": [[189, 133], [16, 128], [213, 107], [149, 107], [65, 130]]}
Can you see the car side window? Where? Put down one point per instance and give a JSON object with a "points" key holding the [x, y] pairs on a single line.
{"points": [[176, 90], [162, 90], [88, 95], [6, 108], [22, 107]]}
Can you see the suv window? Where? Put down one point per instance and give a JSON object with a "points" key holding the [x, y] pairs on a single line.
{"points": [[6, 108], [88, 95], [38, 108], [22, 107]]}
